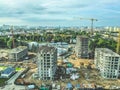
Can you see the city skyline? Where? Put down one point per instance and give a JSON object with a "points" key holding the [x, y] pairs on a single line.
{"points": [[59, 12]]}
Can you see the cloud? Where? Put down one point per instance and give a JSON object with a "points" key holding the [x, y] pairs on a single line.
{"points": [[11, 21], [58, 10]]}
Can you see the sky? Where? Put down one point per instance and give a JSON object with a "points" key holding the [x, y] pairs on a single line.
{"points": [[60, 12]]}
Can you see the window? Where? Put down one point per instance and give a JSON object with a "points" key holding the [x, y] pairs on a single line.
{"points": [[112, 58], [48, 60], [114, 76], [109, 58], [116, 59], [48, 55]]}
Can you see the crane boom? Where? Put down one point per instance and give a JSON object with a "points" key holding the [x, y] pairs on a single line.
{"points": [[92, 20]]}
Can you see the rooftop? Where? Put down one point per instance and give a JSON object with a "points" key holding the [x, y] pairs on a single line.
{"points": [[8, 70], [108, 52], [46, 49], [18, 49], [82, 36]]}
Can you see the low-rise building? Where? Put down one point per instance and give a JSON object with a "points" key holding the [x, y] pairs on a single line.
{"points": [[62, 47], [108, 62], [18, 53], [7, 72]]}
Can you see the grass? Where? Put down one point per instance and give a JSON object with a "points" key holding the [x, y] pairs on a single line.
{"points": [[2, 68], [18, 69], [2, 81]]}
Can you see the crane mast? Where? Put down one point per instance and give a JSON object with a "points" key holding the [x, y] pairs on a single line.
{"points": [[92, 20], [13, 41]]}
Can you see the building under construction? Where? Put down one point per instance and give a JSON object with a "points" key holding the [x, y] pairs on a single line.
{"points": [[18, 53], [108, 62], [47, 62], [81, 48]]}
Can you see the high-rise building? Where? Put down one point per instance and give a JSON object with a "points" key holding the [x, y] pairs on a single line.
{"points": [[47, 62], [108, 62], [81, 48]]}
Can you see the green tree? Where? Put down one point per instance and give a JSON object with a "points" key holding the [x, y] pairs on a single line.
{"points": [[10, 43]]}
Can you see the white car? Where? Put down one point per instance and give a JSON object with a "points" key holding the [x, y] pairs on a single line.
{"points": [[26, 58]]}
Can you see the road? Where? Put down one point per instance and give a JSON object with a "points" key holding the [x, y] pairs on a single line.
{"points": [[15, 76], [10, 83]]}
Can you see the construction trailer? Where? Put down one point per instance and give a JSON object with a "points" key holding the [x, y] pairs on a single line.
{"points": [[108, 62]]}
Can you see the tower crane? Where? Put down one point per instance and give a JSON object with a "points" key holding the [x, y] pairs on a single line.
{"points": [[13, 42], [92, 20], [118, 44]]}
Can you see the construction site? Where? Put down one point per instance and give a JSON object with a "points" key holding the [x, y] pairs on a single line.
{"points": [[45, 67], [84, 67], [88, 76]]}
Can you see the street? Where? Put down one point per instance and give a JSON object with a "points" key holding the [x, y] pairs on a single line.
{"points": [[10, 83]]}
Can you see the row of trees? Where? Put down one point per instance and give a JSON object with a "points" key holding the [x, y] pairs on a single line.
{"points": [[95, 42], [48, 36], [7, 42], [99, 42]]}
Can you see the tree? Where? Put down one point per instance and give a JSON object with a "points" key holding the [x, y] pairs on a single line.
{"points": [[10, 43], [3, 42]]}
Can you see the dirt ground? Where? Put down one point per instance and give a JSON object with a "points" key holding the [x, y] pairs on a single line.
{"points": [[93, 75], [93, 79]]}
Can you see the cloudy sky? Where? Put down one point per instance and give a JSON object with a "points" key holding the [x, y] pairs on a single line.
{"points": [[60, 12]]}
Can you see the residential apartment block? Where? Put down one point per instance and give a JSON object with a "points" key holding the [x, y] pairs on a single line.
{"points": [[81, 48], [47, 62], [108, 62], [18, 53]]}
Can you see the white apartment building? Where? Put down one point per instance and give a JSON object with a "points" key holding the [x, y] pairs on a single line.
{"points": [[108, 62], [47, 62]]}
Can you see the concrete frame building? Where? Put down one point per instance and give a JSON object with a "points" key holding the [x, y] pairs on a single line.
{"points": [[81, 48], [47, 62], [18, 53], [108, 62]]}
